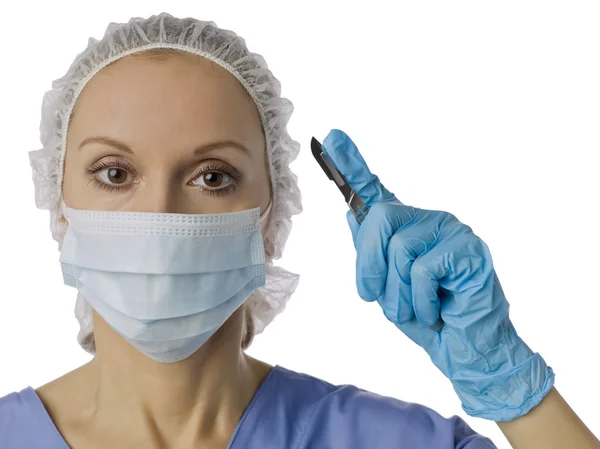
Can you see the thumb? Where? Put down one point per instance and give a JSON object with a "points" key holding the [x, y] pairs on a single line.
{"points": [[347, 159]]}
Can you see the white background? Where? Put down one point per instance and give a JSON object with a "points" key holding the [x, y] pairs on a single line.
{"points": [[488, 110]]}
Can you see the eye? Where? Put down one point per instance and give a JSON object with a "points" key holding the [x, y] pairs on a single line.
{"points": [[217, 178], [111, 174], [213, 180], [114, 176]]}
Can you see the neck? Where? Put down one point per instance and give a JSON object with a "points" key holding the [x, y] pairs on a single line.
{"points": [[201, 398]]}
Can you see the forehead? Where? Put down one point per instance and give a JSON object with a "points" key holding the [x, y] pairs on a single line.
{"points": [[180, 99]]}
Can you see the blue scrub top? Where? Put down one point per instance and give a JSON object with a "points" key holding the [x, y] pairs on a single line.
{"points": [[289, 410]]}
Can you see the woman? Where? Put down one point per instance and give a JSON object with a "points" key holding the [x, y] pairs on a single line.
{"points": [[166, 171]]}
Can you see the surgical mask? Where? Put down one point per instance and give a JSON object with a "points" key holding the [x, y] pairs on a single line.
{"points": [[165, 282]]}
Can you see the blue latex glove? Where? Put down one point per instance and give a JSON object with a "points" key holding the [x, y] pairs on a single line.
{"points": [[420, 265]]}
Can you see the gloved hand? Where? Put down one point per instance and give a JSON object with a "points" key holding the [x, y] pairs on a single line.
{"points": [[423, 265]]}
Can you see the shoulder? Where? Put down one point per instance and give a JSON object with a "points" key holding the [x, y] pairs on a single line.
{"points": [[16, 407], [399, 423], [353, 417], [28, 417], [24, 422]]}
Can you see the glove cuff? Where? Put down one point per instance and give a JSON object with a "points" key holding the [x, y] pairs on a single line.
{"points": [[506, 396]]}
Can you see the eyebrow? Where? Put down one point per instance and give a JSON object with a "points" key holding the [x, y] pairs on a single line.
{"points": [[200, 149]]}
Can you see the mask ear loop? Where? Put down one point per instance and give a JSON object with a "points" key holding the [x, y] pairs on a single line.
{"points": [[265, 214], [63, 218]]}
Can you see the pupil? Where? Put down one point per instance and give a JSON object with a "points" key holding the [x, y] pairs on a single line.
{"points": [[116, 175]]}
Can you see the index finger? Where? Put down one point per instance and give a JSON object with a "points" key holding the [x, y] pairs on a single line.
{"points": [[347, 159]]}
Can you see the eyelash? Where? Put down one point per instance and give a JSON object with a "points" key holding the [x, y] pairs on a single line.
{"points": [[208, 168]]}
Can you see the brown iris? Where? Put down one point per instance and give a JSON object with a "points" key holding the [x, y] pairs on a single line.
{"points": [[116, 175], [212, 179]]}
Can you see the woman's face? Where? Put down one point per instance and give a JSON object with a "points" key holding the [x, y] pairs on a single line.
{"points": [[177, 135]]}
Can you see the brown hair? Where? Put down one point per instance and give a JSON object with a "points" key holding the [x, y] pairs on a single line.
{"points": [[158, 54]]}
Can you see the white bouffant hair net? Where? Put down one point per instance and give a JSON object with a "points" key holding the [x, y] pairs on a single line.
{"points": [[229, 51]]}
